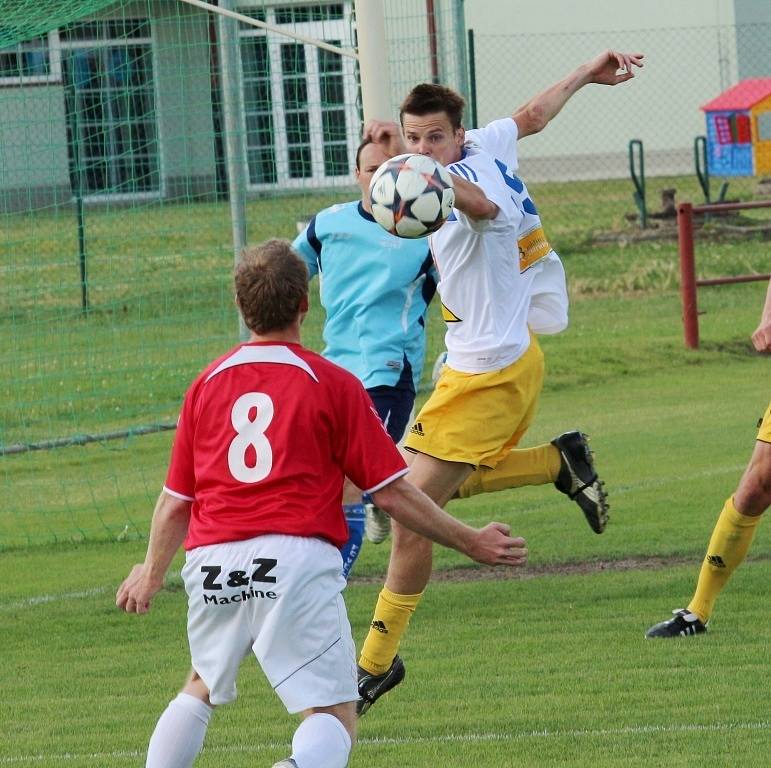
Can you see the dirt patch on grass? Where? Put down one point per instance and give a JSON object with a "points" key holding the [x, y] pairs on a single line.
{"points": [[499, 573]]}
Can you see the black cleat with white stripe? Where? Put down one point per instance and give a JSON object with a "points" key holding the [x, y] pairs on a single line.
{"points": [[372, 687], [684, 624], [578, 478]]}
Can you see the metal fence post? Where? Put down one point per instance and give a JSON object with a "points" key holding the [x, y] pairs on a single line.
{"points": [[688, 275], [638, 179], [472, 79]]}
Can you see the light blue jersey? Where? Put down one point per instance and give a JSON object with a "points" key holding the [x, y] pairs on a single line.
{"points": [[375, 289]]}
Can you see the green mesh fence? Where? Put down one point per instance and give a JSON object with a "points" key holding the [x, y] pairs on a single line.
{"points": [[116, 232], [116, 236], [661, 106], [25, 20]]}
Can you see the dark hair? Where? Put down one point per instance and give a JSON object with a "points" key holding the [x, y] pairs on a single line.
{"points": [[427, 98], [271, 282], [361, 146]]}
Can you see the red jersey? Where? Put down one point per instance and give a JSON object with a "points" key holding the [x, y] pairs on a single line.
{"points": [[265, 439]]}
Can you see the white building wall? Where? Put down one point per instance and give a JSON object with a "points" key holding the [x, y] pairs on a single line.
{"points": [[33, 139], [691, 56]]}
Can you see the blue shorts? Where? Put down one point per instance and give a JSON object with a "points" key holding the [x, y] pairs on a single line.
{"points": [[394, 403]]}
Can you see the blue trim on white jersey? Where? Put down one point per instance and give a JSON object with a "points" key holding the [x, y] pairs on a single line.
{"points": [[512, 181], [471, 171], [458, 170]]}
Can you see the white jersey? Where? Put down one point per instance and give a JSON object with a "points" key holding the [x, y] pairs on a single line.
{"points": [[549, 297], [485, 297], [499, 138]]}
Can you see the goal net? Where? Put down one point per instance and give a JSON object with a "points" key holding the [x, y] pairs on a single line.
{"points": [[117, 228]]}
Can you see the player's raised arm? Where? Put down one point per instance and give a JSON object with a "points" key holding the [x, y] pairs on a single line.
{"points": [[761, 338], [607, 68], [411, 507]]}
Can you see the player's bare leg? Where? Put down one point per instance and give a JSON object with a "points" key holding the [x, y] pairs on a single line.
{"points": [[181, 729], [409, 571], [409, 568], [194, 686], [728, 546], [753, 496], [345, 713]]}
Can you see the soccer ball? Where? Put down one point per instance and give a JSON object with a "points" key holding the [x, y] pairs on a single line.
{"points": [[412, 195]]}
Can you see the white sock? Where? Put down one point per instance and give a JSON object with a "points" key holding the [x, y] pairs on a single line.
{"points": [[321, 741], [178, 736]]}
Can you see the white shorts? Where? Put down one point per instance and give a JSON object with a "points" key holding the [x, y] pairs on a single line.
{"points": [[280, 598], [548, 313]]}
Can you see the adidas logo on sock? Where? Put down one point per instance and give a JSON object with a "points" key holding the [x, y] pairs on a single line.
{"points": [[379, 626], [417, 429], [716, 560]]}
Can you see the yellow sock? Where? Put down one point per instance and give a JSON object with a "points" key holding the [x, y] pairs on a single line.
{"points": [[392, 614], [727, 548], [522, 466]]}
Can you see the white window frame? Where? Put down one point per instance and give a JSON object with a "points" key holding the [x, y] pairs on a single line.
{"points": [[99, 197], [336, 29], [54, 66]]}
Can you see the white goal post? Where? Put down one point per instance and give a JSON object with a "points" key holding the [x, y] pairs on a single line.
{"points": [[262, 25], [374, 69]]}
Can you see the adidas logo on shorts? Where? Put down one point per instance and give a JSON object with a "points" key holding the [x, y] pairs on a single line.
{"points": [[417, 429]]}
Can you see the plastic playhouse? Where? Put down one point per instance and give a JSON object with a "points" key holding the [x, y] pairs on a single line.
{"points": [[739, 129]]}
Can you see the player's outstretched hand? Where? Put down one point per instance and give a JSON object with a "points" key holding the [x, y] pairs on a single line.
{"points": [[136, 592], [604, 68], [761, 339], [387, 134], [494, 546]]}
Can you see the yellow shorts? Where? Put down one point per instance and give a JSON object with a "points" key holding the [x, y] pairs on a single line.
{"points": [[477, 418], [764, 433]]}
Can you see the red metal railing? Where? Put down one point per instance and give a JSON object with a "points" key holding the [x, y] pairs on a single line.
{"points": [[688, 281]]}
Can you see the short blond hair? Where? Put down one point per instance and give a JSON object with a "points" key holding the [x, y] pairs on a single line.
{"points": [[271, 282]]}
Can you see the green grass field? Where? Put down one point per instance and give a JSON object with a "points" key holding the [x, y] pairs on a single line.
{"points": [[547, 667]]}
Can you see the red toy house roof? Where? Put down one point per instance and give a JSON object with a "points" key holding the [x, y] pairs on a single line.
{"points": [[743, 95]]}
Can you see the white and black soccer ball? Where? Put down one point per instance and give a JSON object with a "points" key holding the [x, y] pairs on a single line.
{"points": [[412, 195]]}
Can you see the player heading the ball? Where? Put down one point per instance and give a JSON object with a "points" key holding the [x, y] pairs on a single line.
{"points": [[412, 195]]}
